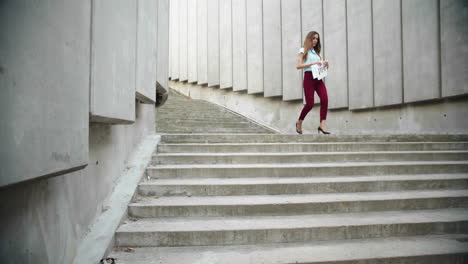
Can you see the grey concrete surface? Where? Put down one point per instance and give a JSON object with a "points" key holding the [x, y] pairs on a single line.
{"points": [[272, 62], [174, 39], [441, 117], [225, 44], [421, 50], [213, 42], [446, 249], [162, 52], [147, 43], [290, 45], [113, 62], [239, 46], [361, 65], [388, 74], [335, 39], [454, 47], [202, 41], [183, 38], [192, 46], [254, 20], [41, 80]]}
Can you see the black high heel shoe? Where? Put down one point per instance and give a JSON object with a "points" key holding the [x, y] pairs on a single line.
{"points": [[319, 129], [298, 131]]}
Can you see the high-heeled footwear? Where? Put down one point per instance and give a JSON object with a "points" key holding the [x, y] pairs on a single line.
{"points": [[319, 129], [298, 131]]}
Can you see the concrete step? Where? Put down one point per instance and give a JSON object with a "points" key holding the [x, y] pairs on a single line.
{"points": [[284, 229], [266, 205], [191, 125], [305, 157], [437, 249], [281, 138], [292, 185], [212, 130], [305, 169], [308, 147]]}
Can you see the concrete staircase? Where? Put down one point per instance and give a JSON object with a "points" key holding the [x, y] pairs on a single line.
{"points": [[301, 199], [181, 114]]}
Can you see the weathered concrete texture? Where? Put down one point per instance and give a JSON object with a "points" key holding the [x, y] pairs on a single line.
{"points": [[44, 80], [113, 61], [225, 43], [334, 38], [434, 118], [290, 45], [421, 50], [44, 221], [174, 42], [213, 42], [388, 78], [272, 65], [454, 46], [192, 42], [183, 41], [239, 46], [202, 41], [361, 70], [147, 44], [163, 44], [254, 14]]}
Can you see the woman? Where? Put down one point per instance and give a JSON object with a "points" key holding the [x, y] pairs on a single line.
{"points": [[310, 55]]}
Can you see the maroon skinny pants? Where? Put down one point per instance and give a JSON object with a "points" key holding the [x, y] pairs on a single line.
{"points": [[310, 85]]}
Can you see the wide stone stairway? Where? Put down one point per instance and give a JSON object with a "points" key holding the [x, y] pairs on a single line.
{"points": [[270, 198]]}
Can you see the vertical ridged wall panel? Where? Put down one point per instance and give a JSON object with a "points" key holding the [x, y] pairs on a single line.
{"points": [[254, 46], [202, 42], [175, 52], [192, 40], [272, 62], [213, 42], [239, 45], [225, 44], [183, 43]]}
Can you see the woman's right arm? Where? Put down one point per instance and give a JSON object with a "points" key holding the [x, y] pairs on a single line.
{"points": [[299, 64]]}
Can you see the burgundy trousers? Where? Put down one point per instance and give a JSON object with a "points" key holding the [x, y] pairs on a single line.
{"points": [[312, 85]]}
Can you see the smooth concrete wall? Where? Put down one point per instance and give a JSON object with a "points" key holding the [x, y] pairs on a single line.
{"points": [[239, 46], [382, 53], [183, 41], [421, 50], [192, 41], [225, 44], [44, 88], [147, 44], [174, 39], [361, 69], [254, 46], [162, 61], [272, 61], [454, 46], [388, 72], [213, 42], [43, 221], [445, 116], [202, 42]]}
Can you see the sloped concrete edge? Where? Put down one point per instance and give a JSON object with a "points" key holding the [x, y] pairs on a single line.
{"points": [[99, 239]]}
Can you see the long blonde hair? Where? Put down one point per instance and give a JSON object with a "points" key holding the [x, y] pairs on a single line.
{"points": [[308, 44]]}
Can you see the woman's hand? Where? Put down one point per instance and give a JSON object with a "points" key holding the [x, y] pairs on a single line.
{"points": [[325, 64]]}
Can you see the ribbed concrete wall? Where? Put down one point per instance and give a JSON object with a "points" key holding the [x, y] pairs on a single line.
{"points": [[381, 52]]}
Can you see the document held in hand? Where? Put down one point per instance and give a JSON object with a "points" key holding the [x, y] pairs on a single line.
{"points": [[319, 72]]}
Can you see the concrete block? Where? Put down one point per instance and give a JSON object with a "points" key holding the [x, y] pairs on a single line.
{"points": [[175, 35], [213, 42], [312, 20], [192, 56], [44, 80], [361, 70], [163, 44], [202, 41], [147, 44], [291, 43], [254, 46], [183, 40], [334, 40], [113, 61], [239, 45], [225, 42], [454, 47], [272, 65], [421, 50], [388, 73]]}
